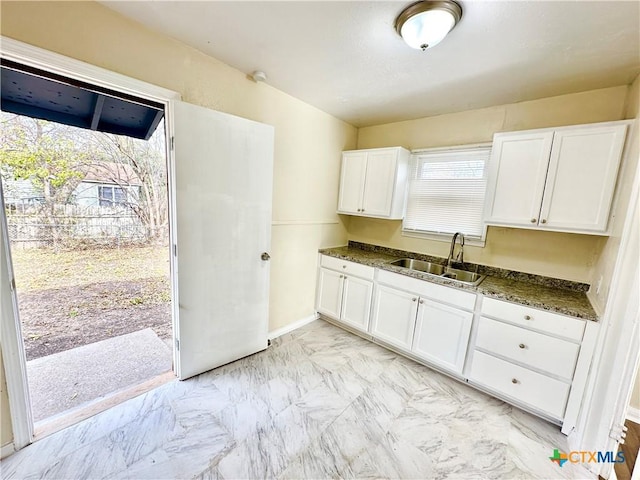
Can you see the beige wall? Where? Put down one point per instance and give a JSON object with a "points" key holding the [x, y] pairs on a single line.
{"points": [[606, 263], [560, 255], [308, 141], [633, 111], [307, 145]]}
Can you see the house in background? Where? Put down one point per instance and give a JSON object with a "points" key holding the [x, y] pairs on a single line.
{"points": [[104, 184], [108, 184], [21, 193]]}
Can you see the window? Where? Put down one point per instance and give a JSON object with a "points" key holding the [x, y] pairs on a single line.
{"points": [[446, 192], [109, 196]]}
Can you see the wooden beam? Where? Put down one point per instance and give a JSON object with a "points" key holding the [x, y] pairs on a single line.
{"points": [[97, 112]]}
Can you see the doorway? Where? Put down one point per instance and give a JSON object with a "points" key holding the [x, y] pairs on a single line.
{"points": [[220, 171], [86, 210]]}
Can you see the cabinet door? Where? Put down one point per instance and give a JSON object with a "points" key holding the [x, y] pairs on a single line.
{"points": [[582, 178], [379, 183], [330, 292], [442, 334], [394, 316], [356, 302], [354, 167], [517, 172]]}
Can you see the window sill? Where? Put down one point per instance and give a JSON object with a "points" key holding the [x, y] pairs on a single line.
{"points": [[445, 237]]}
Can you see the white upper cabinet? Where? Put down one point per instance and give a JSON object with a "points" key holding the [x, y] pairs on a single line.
{"points": [[518, 169], [559, 179], [373, 182], [582, 178], [354, 167]]}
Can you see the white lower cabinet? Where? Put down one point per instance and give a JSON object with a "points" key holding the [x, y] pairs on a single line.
{"points": [[527, 355], [356, 302], [539, 391], [536, 359], [394, 316], [345, 297], [330, 286], [442, 334], [430, 330]]}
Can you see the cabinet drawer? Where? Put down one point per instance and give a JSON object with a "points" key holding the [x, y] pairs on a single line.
{"points": [[534, 389], [543, 321], [530, 348], [441, 293], [346, 266]]}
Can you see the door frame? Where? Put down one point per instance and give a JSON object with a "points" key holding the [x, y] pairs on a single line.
{"points": [[14, 362]]}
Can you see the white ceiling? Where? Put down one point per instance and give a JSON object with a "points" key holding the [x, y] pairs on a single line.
{"points": [[346, 58]]}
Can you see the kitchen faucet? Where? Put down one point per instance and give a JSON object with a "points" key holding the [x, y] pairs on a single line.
{"points": [[460, 257]]}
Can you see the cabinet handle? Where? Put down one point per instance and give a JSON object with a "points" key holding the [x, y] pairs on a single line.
{"points": [[522, 345], [344, 266], [421, 301], [341, 276], [514, 380], [359, 209], [534, 220], [527, 317], [414, 299], [544, 220]]}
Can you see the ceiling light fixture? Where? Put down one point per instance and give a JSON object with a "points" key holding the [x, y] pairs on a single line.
{"points": [[424, 24]]}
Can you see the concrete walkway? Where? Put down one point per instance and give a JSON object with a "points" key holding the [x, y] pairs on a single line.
{"points": [[68, 379]]}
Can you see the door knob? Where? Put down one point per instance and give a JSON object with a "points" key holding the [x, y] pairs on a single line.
{"points": [[265, 256]]}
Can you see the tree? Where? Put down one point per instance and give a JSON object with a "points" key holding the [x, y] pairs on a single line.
{"points": [[55, 158], [147, 160], [45, 153]]}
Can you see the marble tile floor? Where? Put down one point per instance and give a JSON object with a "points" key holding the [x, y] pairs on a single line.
{"points": [[319, 403]]}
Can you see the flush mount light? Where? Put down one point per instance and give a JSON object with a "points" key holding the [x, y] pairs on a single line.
{"points": [[424, 24]]}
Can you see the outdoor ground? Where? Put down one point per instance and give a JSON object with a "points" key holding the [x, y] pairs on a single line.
{"points": [[73, 298]]}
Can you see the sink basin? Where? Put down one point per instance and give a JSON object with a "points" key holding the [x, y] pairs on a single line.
{"points": [[463, 276], [437, 270], [411, 264]]}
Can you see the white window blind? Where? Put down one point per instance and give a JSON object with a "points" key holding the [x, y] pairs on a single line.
{"points": [[446, 191]]}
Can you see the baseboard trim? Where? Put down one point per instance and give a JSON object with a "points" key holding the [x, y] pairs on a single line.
{"points": [[292, 326], [7, 450], [633, 414]]}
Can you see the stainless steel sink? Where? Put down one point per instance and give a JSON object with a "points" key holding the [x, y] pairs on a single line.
{"points": [[463, 276], [426, 267], [437, 270]]}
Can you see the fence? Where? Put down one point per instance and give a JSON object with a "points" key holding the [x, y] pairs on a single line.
{"points": [[72, 226]]}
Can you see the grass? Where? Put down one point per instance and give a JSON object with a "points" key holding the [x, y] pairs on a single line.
{"points": [[43, 269]]}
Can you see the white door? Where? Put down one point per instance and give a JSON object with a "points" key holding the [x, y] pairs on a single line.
{"points": [[442, 334], [223, 178], [379, 183], [394, 316], [582, 177], [354, 167], [516, 177], [329, 293], [356, 302]]}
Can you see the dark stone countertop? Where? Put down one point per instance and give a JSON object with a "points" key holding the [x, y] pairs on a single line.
{"points": [[545, 293]]}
